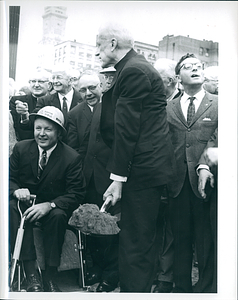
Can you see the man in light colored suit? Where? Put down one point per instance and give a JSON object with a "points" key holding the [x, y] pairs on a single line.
{"points": [[192, 117]]}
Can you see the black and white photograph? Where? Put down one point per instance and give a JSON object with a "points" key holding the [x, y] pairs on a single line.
{"points": [[110, 176]]}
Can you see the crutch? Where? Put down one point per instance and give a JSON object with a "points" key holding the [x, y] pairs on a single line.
{"points": [[18, 244]]}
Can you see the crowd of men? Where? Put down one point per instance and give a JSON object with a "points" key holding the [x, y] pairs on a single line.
{"points": [[141, 137]]}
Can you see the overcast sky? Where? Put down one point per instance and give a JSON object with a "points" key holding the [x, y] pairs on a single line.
{"points": [[149, 22]]}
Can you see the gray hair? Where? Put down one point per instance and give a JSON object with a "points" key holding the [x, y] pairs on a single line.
{"points": [[166, 66], [42, 72], [123, 36]]}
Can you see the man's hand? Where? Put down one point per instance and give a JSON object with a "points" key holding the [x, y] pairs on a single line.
{"points": [[204, 176], [21, 107], [37, 211], [211, 156], [114, 190], [22, 195]]}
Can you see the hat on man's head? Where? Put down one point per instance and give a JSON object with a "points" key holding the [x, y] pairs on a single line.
{"points": [[51, 113], [108, 70]]}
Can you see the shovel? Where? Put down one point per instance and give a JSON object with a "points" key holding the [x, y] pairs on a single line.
{"points": [[18, 244]]}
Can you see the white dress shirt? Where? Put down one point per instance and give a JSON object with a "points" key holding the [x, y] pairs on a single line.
{"points": [[68, 97], [48, 153], [185, 101]]}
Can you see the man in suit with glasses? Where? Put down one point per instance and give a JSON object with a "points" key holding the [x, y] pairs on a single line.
{"points": [[192, 117]]}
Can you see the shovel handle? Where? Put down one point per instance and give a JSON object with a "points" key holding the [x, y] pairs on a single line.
{"points": [[105, 204]]}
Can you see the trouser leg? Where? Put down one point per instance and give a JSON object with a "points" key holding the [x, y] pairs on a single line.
{"points": [[181, 222], [138, 239], [167, 255], [54, 227]]}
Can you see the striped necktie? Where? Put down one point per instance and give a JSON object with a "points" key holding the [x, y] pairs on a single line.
{"points": [[191, 110], [42, 163]]}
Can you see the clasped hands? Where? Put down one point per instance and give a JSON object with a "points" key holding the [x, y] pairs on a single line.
{"points": [[34, 212]]}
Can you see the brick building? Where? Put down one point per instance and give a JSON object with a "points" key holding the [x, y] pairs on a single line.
{"points": [[173, 47]]}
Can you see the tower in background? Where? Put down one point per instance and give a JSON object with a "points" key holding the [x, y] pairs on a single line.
{"points": [[54, 24]]}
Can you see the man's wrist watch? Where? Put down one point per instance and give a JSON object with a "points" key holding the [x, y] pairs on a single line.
{"points": [[52, 205]]}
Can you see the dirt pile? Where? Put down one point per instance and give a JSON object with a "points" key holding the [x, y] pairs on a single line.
{"points": [[88, 219]]}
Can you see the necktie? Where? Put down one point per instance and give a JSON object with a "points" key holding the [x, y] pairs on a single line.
{"points": [[191, 110], [65, 108], [42, 163]]}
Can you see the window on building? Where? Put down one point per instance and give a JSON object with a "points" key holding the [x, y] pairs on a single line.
{"points": [[72, 63], [138, 51], [56, 52], [72, 49], [207, 52], [89, 56], [201, 51], [64, 51], [81, 54], [80, 65], [88, 66], [60, 51]]}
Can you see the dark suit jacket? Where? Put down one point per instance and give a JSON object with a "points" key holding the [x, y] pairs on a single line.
{"points": [[22, 132], [62, 180], [53, 100], [97, 156], [134, 124], [190, 141], [78, 128]]}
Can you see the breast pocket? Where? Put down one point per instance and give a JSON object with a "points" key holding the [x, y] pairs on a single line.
{"points": [[206, 129]]}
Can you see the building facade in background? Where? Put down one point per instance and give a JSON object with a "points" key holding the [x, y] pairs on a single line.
{"points": [[174, 47], [54, 50]]}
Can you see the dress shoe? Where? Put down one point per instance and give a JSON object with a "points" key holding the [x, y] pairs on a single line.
{"points": [[34, 284], [163, 287], [105, 287], [92, 278], [51, 286]]}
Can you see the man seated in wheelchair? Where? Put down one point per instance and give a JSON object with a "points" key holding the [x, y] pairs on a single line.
{"points": [[51, 170]]}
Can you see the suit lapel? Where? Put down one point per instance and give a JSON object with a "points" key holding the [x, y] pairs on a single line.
{"points": [[54, 159], [178, 110], [75, 100], [34, 158], [56, 101], [205, 104]]}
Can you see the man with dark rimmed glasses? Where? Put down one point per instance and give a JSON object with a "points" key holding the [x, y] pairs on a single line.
{"points": [[192, 117]]}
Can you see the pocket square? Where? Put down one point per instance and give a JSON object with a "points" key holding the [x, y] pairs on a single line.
{"points": [[206, 119]]}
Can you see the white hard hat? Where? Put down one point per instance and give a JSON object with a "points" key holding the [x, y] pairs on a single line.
{"points": [[52, 113], [107, 70]]}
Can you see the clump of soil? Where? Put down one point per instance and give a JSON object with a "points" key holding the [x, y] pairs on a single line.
{"points": [[88, 219]]}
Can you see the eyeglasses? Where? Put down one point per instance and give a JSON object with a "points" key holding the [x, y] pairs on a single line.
{"points": [[90, 88], [39, 81], [110, 77], [189, 66]]}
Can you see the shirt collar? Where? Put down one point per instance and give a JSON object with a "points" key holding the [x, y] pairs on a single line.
{"points": [[48, 152], [68, 96], [199, 96]]}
